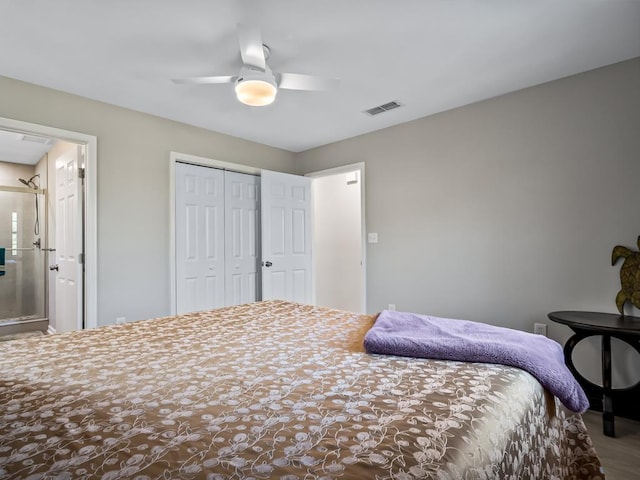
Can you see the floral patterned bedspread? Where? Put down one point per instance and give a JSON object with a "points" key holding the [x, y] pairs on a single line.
{"points": [[271, 390]]}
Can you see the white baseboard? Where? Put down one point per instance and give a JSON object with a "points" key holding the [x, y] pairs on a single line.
{"points": [[51, 330]]}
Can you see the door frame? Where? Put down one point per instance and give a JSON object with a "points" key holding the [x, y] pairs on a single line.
{"points": [[359, 167], [175, 157], [90, 142]]}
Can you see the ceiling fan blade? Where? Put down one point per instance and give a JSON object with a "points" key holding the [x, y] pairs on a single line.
{"points": [[299, 81], [205, 80], [251, 50]]}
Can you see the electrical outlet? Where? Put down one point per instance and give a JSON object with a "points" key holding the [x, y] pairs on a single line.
{"points": [[372, 238], [540, 329], [121, 320], [392, 306]]}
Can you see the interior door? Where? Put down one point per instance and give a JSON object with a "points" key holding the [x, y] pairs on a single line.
{"points": [[242, 231], [199, 238], [286, 237], [69, 246]]}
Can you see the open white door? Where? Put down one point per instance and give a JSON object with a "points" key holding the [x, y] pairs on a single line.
{"points": [[286, 237], [69, 248]]}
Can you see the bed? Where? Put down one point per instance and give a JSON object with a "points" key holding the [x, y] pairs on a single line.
{"points": [[271, 390]]}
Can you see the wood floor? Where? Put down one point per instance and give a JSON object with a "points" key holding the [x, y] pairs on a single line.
{"points": [[620, 456]]}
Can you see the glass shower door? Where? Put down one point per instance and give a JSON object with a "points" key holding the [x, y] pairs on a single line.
{"points": [[22, 267]]}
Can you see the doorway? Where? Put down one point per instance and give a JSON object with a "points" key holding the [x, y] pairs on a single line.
{"points": [[339, 238], [80, 306]]}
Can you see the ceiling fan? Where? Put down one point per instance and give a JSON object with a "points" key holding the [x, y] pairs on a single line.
{"points": [[256, 84]]}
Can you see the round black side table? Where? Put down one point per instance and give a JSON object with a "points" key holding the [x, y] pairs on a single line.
{"points": [[622, 327]]}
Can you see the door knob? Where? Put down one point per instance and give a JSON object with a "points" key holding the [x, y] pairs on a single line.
{"points": [[267, 264], [53, 267]]}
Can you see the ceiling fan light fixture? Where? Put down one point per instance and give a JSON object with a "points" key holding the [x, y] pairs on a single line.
{"points": [[256, 93], [256, 85]]}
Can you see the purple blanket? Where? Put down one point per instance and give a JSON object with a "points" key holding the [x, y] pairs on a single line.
{"points": [[412, 335]]}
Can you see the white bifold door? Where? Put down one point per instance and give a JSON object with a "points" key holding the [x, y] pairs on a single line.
{"points": [[200, 237], [217, 254], [224, 225], [242, 230]]}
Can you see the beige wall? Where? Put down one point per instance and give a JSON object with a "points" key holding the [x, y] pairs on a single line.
{"points": [[507, 209], [11, 172], [133, 187]]}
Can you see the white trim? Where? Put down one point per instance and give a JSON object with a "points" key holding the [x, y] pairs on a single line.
{"points": [[51, 330], [91, 204], [335, 170], [345, 169], [175, 157]]}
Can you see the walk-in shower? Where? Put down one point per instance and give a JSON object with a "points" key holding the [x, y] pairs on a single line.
{"points": [[22, 262]]}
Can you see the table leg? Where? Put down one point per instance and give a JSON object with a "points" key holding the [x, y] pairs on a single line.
{"points": [[608, 421]]}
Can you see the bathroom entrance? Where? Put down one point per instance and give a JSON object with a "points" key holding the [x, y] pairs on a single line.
{"points": [[41, 234]]}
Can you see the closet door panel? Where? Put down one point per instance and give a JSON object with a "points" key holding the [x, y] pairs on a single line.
{"points": [[241, 238], [200, 262]]}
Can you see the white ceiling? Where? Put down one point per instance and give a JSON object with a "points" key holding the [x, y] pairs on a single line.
{"points": [[429, 55], [25, 149]]}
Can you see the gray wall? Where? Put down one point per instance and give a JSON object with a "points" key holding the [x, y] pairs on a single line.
{"points": [[504, 210], [133, 187]]}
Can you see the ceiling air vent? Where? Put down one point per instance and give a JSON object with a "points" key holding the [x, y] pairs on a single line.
{"points": [[34, 139], [383, 108]]}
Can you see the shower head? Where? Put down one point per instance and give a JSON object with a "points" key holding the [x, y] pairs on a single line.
{"points": [[30, 183]]}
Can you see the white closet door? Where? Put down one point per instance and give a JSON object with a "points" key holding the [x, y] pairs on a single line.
{"points": [[199, 238], [286, 237], [242, 231]]}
